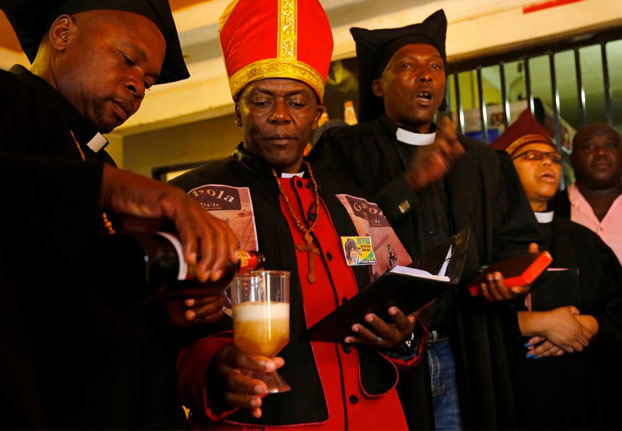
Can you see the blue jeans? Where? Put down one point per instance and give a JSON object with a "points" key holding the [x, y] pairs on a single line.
{"points": [[443, 381]]}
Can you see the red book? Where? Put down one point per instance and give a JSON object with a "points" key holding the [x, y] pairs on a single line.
{"points": [[517, 271]]}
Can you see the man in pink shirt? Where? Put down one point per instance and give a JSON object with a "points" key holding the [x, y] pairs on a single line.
{"points": [[595, 198]]}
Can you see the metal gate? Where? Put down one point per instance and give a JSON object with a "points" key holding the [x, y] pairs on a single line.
{"points": [[579, 80]]}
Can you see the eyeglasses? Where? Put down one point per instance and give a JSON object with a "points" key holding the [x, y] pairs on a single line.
{"points": [[553, 156]]}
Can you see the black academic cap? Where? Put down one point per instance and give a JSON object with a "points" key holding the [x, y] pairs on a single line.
{"points": [[374, 49], [31, 19]]}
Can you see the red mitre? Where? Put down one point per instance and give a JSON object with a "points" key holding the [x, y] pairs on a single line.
{"points": [[524, 131], [276, 39]]}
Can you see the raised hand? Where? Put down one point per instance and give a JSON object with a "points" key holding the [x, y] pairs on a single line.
{"points": [[432, 162]]}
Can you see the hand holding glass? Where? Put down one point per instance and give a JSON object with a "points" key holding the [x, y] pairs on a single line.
{"points": [[261, 319]]}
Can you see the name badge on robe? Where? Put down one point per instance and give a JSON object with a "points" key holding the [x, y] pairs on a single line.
{"points": [[232, 205], [369, 220], [358, 250]]}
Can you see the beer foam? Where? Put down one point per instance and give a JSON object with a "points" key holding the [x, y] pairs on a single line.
{"points": [[249, 311]]}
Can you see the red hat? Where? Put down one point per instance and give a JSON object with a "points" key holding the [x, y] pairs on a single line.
{"points": [[524, 131], [276, 39]]}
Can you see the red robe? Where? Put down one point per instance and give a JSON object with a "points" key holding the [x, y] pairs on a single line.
{"points": [[349, 407]]}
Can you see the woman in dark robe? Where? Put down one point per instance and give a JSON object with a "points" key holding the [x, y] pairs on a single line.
{"points": [[564, 367]]}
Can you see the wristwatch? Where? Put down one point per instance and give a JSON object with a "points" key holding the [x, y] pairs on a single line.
{"points": [[406, 348]]}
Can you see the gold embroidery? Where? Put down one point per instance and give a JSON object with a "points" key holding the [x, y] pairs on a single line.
{"points": [[226, 14], [288, 29], [277, 68]]}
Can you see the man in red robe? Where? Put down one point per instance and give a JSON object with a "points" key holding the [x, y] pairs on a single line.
{"points": [[298, 217]]}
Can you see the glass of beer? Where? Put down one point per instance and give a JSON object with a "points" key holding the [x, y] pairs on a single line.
{"points": [[260, 302]]}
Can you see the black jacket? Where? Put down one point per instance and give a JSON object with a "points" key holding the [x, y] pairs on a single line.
{"points": [[577, 390], [68, 359], [482, 193]]}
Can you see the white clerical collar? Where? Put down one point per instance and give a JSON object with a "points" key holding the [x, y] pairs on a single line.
{"points": [[287, 175], [544, 217], [412, 138], [97, 143]]}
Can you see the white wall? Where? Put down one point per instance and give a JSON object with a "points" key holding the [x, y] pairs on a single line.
{"points": [[475, 26]]}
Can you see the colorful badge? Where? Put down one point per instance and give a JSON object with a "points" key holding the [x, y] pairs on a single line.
{"points": [[358, 250], [369, 220]]}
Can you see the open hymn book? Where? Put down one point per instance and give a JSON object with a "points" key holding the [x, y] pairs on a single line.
{"points": [[407, 287], [417, 272]]}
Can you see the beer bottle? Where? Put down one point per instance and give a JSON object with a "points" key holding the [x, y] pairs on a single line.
{"points": [[323, 119], [134, 266], [349, 114]]}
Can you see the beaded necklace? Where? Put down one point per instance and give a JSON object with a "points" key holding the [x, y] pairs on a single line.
{"points": [[308, 246]]}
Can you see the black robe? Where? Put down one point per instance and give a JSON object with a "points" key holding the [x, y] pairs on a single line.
{"points": [[483, 193], [560, 204], [577, 390], [68, 360], [275, 242]]}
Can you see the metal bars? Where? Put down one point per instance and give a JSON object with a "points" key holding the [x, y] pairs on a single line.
{"points": [[459, 109], [483, 115], [528, 84], [555, 99], [580, 88], [607, 89], [556, 110], [532, 74], [504, 95]]}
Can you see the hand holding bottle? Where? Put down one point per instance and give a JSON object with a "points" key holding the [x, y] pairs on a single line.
{"points": [[204, 303], [139, 267], [137, 198], [432, 162]]}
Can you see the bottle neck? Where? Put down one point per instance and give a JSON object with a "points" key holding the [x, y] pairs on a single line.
{"points": [[248, 261]]}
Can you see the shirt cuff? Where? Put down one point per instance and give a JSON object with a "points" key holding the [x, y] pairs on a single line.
{"points": [[411, 359]]}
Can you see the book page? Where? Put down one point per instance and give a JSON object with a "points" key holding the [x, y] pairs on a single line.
{"points": [[416, 272], [443, 270]]}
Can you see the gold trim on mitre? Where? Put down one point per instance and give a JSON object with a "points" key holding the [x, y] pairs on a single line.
{"points": [[226, 15], [287, 43], [532, 138], [277, 68]]}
